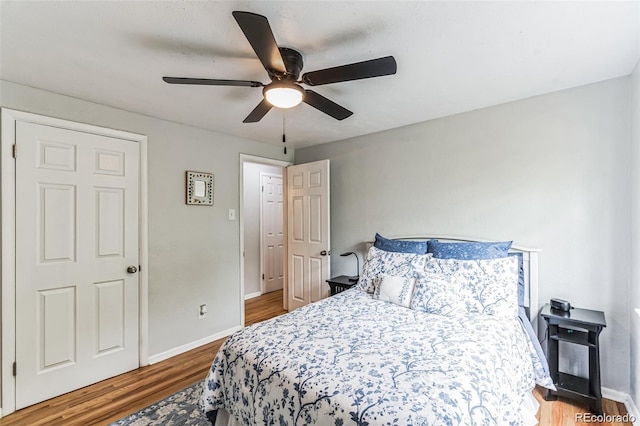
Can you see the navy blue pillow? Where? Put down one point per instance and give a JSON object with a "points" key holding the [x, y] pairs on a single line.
{"points": [[468, 250], [400, 246]]}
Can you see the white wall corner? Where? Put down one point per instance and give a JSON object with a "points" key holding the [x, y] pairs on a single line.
{"points": [[626, 399], [153, 359], [252, 295], [633, 411]]}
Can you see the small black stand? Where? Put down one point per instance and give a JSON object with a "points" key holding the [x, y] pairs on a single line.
{"points": [[580, 327]]}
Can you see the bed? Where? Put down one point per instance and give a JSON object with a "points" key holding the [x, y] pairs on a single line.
{"points": [[381, 353]]}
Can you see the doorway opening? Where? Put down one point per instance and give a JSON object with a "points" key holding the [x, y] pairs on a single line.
{"points": [[262, 226]]}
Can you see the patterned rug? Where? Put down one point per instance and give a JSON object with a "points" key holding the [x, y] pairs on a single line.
{"points": [[179, 409]]}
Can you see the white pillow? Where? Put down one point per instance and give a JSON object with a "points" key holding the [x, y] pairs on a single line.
{"points": [[437, 293], [395, 289], [380, 262]]}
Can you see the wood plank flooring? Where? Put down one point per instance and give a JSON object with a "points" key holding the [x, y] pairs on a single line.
{"points": [[262, 308], [112, 399], [563, 412]]}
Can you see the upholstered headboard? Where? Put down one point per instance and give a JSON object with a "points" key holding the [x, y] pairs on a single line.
{"points": [[530, 266]]}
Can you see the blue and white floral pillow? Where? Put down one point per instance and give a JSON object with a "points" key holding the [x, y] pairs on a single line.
{"points": [[395, 289], [380, 262], [488, 286], [437, 293]]}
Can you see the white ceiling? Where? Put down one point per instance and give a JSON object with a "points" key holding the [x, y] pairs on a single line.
{"points": [[452, 57]]}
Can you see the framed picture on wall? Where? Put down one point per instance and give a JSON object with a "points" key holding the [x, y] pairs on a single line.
{"points": [[200, 188]]}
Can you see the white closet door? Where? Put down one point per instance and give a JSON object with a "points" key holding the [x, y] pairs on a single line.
{"points": [[272, 225], [76, 236]]}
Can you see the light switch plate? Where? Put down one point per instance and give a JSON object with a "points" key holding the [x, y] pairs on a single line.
{"points": [[232, 214], [202, 311]]}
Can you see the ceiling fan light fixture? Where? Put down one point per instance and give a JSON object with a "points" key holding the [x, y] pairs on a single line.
{"points": [[283, 95]]}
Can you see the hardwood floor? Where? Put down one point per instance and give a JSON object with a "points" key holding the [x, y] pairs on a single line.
{"points": [[112, 399], [264, 307], [564, 412]]}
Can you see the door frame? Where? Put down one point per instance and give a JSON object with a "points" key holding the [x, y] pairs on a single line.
{"points": [[9, 118], [262, 252], [247, 158]]}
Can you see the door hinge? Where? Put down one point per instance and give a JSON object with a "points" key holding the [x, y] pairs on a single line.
{"points": [[262, 185], [15, 369], [139, 268], [15, 151], [263, 276]]}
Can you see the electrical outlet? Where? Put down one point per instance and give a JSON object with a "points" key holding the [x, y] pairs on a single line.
{"points": [[202, 311]]}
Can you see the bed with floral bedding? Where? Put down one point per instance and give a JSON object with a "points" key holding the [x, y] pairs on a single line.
{"points": [[448, 350]]}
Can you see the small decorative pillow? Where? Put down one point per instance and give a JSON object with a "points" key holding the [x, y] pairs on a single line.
{"points": [[436, 293], [400, 246], [380, 262], [488, 286], [394, 289], [468, 251]]}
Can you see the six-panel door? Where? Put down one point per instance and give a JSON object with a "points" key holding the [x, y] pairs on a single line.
{"points": [[76, 234]]}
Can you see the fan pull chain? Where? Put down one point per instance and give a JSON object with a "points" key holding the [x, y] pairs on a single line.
{"points": [[284, 138]]}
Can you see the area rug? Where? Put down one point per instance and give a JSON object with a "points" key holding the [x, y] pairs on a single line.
{"points": [[179, 409]]}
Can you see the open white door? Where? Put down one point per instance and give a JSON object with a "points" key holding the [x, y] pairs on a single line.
{"points": [[76, 260], [308, 251]]}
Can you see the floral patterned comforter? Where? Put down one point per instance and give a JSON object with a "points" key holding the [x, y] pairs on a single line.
{"points": [[350, 359]]}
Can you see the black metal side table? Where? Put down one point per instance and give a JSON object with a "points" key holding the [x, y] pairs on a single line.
{"points": [[340, 283], [580, 327]]}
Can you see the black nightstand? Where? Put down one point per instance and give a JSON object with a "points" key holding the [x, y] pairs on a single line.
{"points": [[580, 327], [340, 284]]}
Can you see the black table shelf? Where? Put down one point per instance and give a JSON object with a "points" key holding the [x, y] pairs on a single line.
{"points": [[570, 335], [341, 283], [570, 385]]}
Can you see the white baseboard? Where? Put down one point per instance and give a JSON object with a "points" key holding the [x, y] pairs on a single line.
{"points": [[252, 295], [184, 348], [615, 395], [626, 399], [632, 409]]}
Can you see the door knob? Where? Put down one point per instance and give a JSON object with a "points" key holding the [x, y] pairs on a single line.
{"points": [[324, 252], [132, 269]]}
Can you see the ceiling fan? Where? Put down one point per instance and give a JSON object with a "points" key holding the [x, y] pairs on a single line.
{"points": [[283, 65]]}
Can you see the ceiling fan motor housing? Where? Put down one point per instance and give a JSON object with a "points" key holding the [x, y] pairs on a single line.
{"points": [[292, 62]]}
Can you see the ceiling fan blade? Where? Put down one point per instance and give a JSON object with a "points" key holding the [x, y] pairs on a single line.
{"points": [[211, 82], [325, 105], [258, 112], [356, 71], [257, 30]]}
